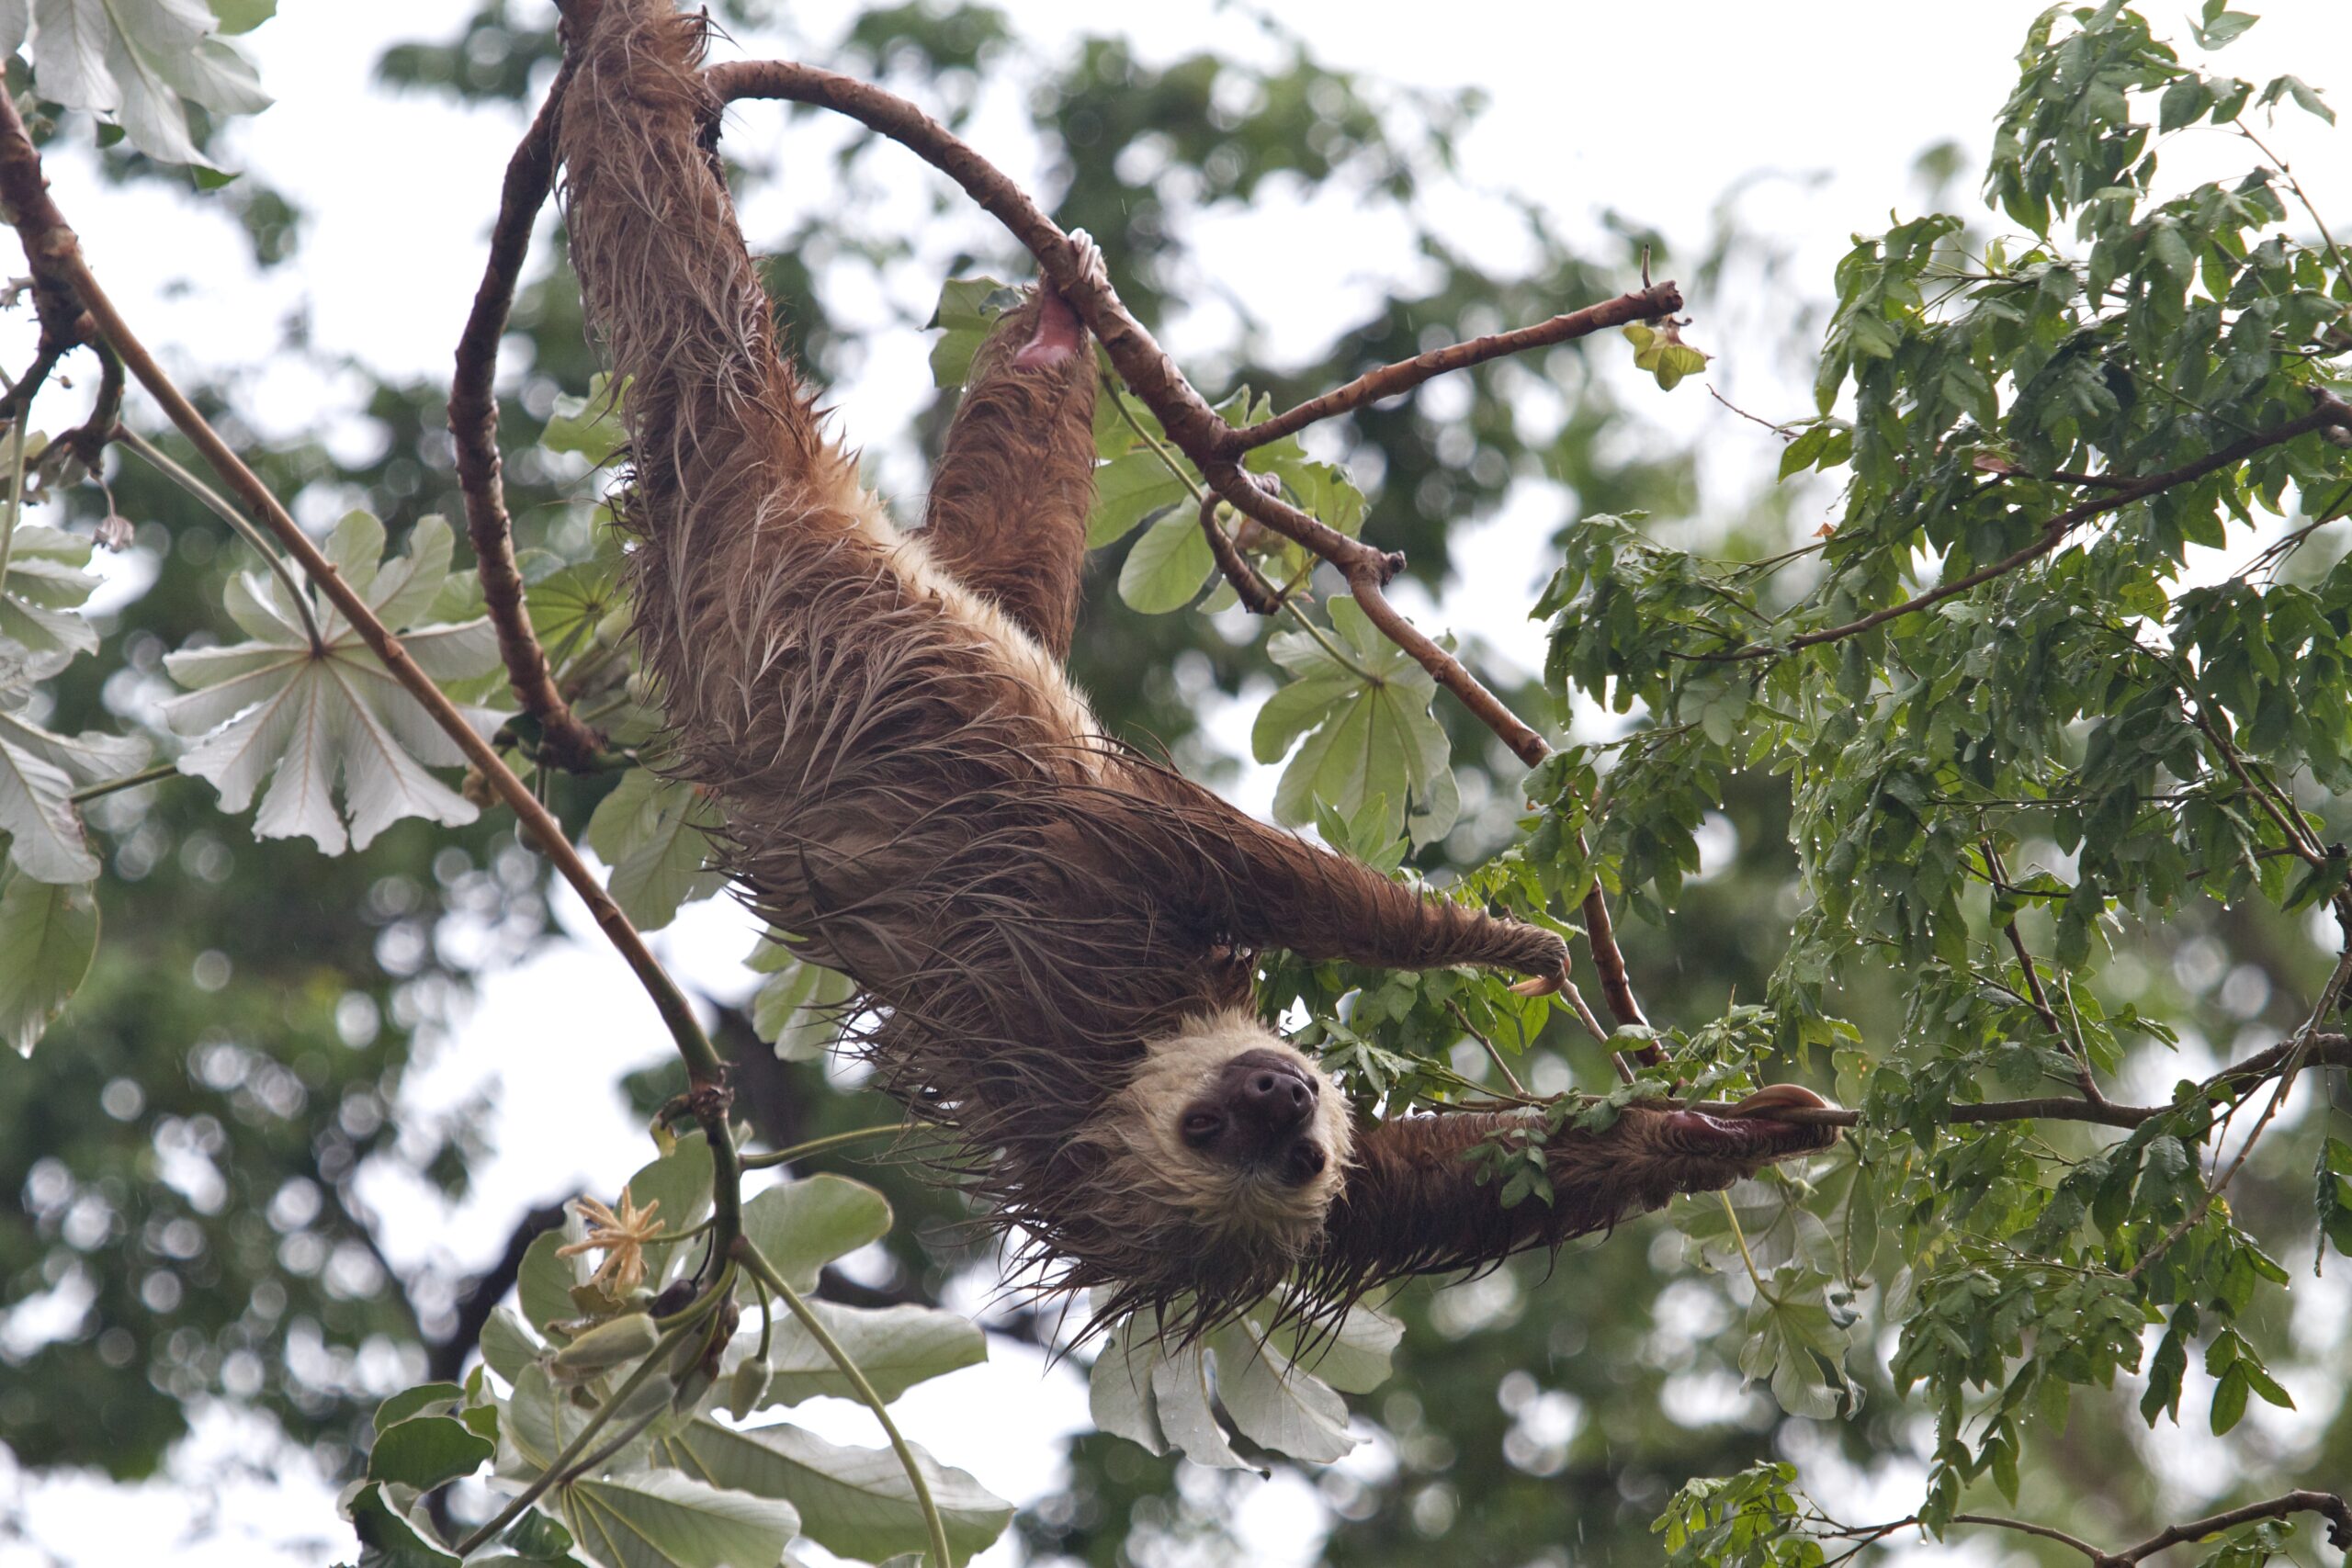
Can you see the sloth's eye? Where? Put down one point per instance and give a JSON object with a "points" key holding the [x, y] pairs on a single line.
{"points": [[1202, 1126]]}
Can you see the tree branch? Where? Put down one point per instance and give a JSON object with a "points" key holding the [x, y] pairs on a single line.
{"points": [[564, 742], [55, 253], [2329, 1505], [1214, 446], [1644, 305], [2326, 1050]]}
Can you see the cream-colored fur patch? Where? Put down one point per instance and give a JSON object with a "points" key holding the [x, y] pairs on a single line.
{"points": [[1023, 658], [1175, 1070]]}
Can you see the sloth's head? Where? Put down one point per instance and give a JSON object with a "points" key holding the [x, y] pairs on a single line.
{"points": [[1221, 1156]]}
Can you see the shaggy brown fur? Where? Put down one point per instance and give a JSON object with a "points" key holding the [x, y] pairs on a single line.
{"points": [[1052, 933]]}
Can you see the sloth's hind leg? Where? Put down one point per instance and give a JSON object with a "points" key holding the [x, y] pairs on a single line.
{"points": [[1009, 501]]}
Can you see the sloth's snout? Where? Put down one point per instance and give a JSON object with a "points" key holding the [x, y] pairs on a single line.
{"points": [[1270, 1096]]}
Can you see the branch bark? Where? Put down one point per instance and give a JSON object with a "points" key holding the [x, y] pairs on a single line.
{"points": [[564, 740]]}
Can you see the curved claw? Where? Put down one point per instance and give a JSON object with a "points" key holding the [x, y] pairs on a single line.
{"points": [[1539, 985]]}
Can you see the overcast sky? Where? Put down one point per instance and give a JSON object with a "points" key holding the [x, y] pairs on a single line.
{"points": [[1653, 111]]}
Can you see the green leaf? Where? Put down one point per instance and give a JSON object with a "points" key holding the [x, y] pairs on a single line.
{"points": [[389, 1539], [588, 427], [2229, 1399], [967, 310], [41, 630], [657, 1519], [506, 1346], [425, 1451], [1118, 1388], [1364, 710], [1169, 566], [430, 1398], [49, 933], [853, 1501], [896, 1347], [314, 718], [140, 64], [38, 772], [655, 834], [800, 1226], [799, 1008], [1273, 1403], [1130, 490], [242, 16], [543, 1285]]}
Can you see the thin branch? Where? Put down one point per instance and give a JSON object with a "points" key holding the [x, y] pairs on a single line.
{"points": [[1644, 305], [765, 1272], [565, 743], [89, 793], [1072, 269], [2034, 992], [2026, 1527], [831, 1140], [55, 253], [2331, 411], [2329, 1505], [1258, 596], [242, 525], [2326, 1050]]}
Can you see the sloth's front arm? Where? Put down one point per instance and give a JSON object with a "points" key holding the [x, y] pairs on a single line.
{"points": [[1413, 1202]]}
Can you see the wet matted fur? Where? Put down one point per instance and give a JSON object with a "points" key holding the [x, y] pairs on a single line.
{"points": [[1052, 934]]}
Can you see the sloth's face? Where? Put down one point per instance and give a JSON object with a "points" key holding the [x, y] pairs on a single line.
{"points": [[1259, 1115]]}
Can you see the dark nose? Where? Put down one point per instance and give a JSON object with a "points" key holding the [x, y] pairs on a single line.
{"points": [[1275, 1100]]}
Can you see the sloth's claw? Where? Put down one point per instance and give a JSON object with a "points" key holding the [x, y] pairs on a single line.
{"points": [[1540, 985]]}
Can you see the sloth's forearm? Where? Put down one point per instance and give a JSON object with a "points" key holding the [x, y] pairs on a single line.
{"points": [[1258, 886], [1414, 1205]]}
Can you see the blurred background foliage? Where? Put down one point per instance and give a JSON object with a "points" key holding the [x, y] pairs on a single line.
{"points": [[184, 1144]]}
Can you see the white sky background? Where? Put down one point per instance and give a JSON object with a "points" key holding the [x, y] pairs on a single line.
{"points": [[1651, 111]]}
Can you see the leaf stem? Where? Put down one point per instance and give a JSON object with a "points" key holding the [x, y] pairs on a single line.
{"points": [[765, 1271], [128, 781], [819, 1146], [219, 505]]}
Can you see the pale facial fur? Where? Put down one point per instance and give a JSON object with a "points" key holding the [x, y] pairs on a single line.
{"points": [[1141, 1128]]}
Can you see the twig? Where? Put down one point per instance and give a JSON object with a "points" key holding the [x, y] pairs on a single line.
{"points": [[160, 771], [819, 1146], [217, 504], [2034, 992], [765, 1272], [2330, 412], [2026, 1527], [1214, 446], [2326, 1050], [56, 255], [2329, 1505], [1646, 304], [565, 743], [1492, 1055], [1257, 595]]}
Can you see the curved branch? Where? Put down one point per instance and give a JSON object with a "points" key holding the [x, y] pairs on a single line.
{"points": [[565, 743], [1257, 595], [55, 253]]}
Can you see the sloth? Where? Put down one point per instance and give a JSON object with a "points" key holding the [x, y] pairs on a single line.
{"points": [[1054, 935]]}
